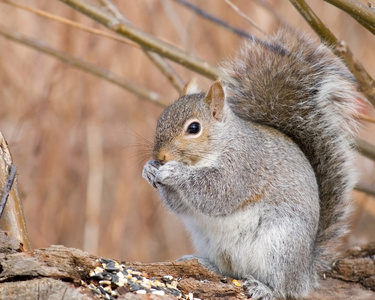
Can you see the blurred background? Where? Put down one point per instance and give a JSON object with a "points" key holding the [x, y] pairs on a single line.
{"points": [[80, 142]]}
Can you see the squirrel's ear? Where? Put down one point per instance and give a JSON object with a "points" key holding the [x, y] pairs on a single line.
{"points": [[190, 88], [215, 99]]}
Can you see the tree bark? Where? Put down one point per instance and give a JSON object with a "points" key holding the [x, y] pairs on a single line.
{"points": [[58, 272]]}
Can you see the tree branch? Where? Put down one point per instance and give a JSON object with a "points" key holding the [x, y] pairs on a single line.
{"points": [[85, 66], [366, 118], [164, 67], [214, 19], [8, 188], [316, 24], [268, 7], [145, 40], [112, 8], [366, 188], [244, 16], [365, 148], [12, 219], [161, 64], [71, 23], [50, 272], [362, 13], [366, 83]]}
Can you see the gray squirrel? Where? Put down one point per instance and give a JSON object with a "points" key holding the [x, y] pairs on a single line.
{"points": [[260, 168]]}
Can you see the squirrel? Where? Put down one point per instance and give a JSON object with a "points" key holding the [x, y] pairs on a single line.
{"points": [[260, 168]]}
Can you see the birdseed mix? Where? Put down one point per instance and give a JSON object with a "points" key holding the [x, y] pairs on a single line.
{"points": [[113, 279]]}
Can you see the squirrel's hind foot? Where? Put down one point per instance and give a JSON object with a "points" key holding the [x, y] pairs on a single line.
{"points": [[257, 290]]}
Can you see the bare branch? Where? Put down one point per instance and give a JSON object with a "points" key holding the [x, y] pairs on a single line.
{"points": [[168, 71], [238, 11], [366, 188], [177, 22], [85, 66], [366, 83], [164, 67], [71, 23], [214, 19], [362, 13], [267, 6], [365, 148], [366, 118], [112, 8], [145, 40], [308, 14]]}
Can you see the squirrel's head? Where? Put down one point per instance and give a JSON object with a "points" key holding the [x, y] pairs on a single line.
{"points": [[184, 129]]}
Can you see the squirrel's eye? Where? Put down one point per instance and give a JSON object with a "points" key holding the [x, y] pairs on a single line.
{"points": [[194, 128]]}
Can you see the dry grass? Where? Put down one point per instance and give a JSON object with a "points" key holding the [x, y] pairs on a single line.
{"points": [[76, 137]]}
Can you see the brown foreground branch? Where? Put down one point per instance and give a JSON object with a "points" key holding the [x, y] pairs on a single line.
{"points": [[11, 219], [58, 272]]}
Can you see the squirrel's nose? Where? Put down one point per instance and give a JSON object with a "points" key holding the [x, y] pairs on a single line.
{"points": [[162, 156], [163, 160]]}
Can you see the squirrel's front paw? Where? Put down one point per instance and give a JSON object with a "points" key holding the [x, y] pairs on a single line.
{"points": [[168, 173], [150, 170], [257, 290]]}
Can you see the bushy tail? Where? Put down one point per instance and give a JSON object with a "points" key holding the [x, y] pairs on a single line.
{"points": [[291, 83]]}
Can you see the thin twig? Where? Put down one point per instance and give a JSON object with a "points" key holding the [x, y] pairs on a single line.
{"points": [[85, 66], [214, 19], [369, 27], [366, 83], [365, 118], [218, 21], [71, 23], [365, 148], [238, 11], [267, 6], [177, 23], [366, 188], [362, 13], [112, 8], [8, 188], [145, 40], [164, 67], [316, 24]]}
